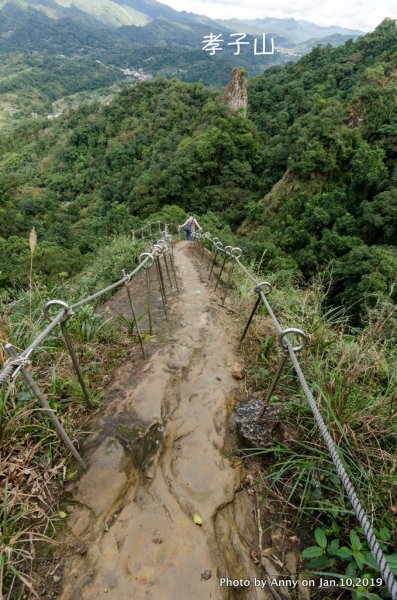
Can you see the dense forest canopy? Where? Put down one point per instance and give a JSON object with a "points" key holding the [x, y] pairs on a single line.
{"points": [[328, 163], [309, 177]]}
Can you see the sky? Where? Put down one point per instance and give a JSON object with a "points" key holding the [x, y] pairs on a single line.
{"points": [[354, 14]]}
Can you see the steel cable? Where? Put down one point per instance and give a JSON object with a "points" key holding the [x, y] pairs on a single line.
{"points": [[376, 550], [373, 543], [13, 365]]}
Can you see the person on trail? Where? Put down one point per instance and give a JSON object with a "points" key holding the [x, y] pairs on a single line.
{"points": [[190, 226]]}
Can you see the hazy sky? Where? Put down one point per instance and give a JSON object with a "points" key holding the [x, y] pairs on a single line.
{"points": [[355, 14]]}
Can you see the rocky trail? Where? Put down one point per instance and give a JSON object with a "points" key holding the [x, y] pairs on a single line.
{"points": [[161, 459]]}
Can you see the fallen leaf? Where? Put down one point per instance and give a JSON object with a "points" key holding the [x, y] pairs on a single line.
{"points": [[197, 519], [62, 514]]}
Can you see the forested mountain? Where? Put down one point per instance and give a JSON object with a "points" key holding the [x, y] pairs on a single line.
{"points": [[118, 13], [41, 35], [309, 177], [328, 164], [49, 50], [113, 13], [53, 49]]}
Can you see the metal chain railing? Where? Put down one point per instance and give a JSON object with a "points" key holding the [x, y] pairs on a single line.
{"points": [[163, 248], [19, 363], [150, 231], [292, 341]]}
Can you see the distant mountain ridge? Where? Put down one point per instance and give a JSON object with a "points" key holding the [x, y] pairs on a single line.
{"points": [[112, 13], [140, 13], [295, 31]]}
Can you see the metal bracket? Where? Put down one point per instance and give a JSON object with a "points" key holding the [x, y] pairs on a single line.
{"points": [[285, 342], [144, 255], [62, 304]]}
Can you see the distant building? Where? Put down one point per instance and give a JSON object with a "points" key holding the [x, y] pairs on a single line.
{"points": [[136, 74]]}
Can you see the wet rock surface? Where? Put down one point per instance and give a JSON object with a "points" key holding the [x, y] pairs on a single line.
{"points": [[166, 517]]}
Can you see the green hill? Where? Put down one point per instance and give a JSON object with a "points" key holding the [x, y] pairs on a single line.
{"points": [[328, 164], [66, 37], [309, 177], [295, 32], [168, 44]]}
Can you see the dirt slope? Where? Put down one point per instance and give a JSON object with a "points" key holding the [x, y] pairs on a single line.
{"points": [[133, 516]]}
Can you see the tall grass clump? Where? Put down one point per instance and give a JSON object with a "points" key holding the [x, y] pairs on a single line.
{"points": [[32, 458], [352, 374], [32, 247]]}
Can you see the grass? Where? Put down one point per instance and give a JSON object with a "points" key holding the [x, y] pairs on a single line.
{"points": [[352, 375], [34, 463]]}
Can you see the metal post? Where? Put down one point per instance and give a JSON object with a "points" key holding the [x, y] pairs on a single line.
{"points": [[213, 263], [48, 410], [249, 321], [221, 271], [273, 384], [161, 278], [69, 344], [161, 287], [258, 290], [76, 364], [174, 271], [229, 281], [134, 316], [202, 254], [149, 304], [167, 269]]}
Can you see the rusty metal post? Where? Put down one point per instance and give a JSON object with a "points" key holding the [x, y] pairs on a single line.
{"points": [[161, 278], [69, 345], [163, 298], [226, 249], [273, 384], [47, 409], [76, 364], [149, 302], [134, 315], [258, 291], [229, 281], [167, 269], [174, 271], [286, 346], [218, 246], [249, 321]]}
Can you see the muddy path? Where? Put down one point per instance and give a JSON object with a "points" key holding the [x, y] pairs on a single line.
{"points": [[161, 457]]}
